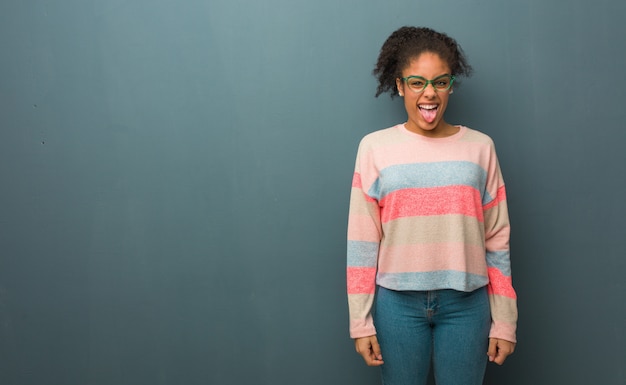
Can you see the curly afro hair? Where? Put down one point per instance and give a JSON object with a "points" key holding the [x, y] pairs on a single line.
{"points": [[407, 43]]}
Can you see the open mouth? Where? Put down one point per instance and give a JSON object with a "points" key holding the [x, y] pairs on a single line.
{"points": [[428, 111]]}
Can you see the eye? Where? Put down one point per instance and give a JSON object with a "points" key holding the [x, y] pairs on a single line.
{"points": [[415, 83], [442, 83]]}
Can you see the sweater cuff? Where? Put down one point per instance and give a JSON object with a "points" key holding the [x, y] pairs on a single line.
{"points": [[362, 328], [503, 330]]}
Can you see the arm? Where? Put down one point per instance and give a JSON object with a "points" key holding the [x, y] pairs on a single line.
{"points": [[364, 234], [502, 296], [363, 246]]}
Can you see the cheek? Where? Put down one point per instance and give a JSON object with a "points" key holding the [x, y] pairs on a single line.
{"points": [[410, 105], [410, 99]]}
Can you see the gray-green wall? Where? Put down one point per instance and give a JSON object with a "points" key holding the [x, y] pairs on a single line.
{"points": [[174, 180]]}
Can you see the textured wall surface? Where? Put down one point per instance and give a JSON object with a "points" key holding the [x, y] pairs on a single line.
{"points": [[174, 181]]}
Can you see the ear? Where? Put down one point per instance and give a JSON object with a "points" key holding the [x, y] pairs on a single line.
{"points": [[400, 86]]}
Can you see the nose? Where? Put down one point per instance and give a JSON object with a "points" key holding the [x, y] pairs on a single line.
{"points": [[430, 89]]}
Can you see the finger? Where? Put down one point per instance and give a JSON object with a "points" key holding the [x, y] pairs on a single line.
{"points": [[500, 357], [373, 360], [493, 349], [376, 350], [370, 359]]}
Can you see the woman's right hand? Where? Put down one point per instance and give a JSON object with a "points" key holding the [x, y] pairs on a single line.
{"points": [[369, 349]]}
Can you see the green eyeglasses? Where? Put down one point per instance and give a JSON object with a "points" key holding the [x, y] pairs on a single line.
{"points": [[419, 84]]}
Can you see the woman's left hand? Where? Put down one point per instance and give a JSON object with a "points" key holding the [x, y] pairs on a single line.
{"points": [[499, 350]]}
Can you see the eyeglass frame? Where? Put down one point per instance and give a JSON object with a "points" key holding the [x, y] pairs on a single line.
{"points": [[427, 82]]}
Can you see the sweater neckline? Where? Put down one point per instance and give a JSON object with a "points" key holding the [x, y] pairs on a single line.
{"points": [[462, 130]]}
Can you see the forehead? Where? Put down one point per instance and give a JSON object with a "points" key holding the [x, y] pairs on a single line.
{"points": [[427, 64]]}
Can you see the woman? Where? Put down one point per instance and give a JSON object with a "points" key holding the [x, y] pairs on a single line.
{"points": [[428, 231]]}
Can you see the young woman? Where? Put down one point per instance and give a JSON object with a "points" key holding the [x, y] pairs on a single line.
{"points": [[428, 231]]}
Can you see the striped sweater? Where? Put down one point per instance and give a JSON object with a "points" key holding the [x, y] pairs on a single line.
{"points": [[428, 214]]}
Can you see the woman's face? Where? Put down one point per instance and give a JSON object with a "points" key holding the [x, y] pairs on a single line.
{"points": [[425, 109]]}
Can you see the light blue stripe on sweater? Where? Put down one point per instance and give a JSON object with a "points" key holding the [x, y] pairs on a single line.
{"points": [[433, 280], [500, 260], [361, 253], [426, 175]]}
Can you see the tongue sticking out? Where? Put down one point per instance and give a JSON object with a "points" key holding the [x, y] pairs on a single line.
{"points": [[428, 114]]}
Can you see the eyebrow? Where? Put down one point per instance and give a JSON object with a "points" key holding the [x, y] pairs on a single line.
{"points": [[419, 76]]}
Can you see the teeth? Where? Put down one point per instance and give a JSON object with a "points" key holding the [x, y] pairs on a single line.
{"points": [[428, 106]]}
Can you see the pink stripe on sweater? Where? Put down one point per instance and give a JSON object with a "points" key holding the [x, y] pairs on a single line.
{"points": [[500, 284], [358, 184], [362, 228], [361, 280], [431, 201], [503, 330], [356, 180]]}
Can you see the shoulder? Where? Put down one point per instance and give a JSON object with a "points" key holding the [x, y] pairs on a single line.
{"points": [[472, 135], [381, 138], [476, 136]]}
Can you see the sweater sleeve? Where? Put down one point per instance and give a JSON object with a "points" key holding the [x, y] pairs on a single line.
{"points": [[502, 296], [364, 235]]}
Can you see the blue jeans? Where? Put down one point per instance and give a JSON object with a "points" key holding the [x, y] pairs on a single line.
{"points": [[446, 327]]}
